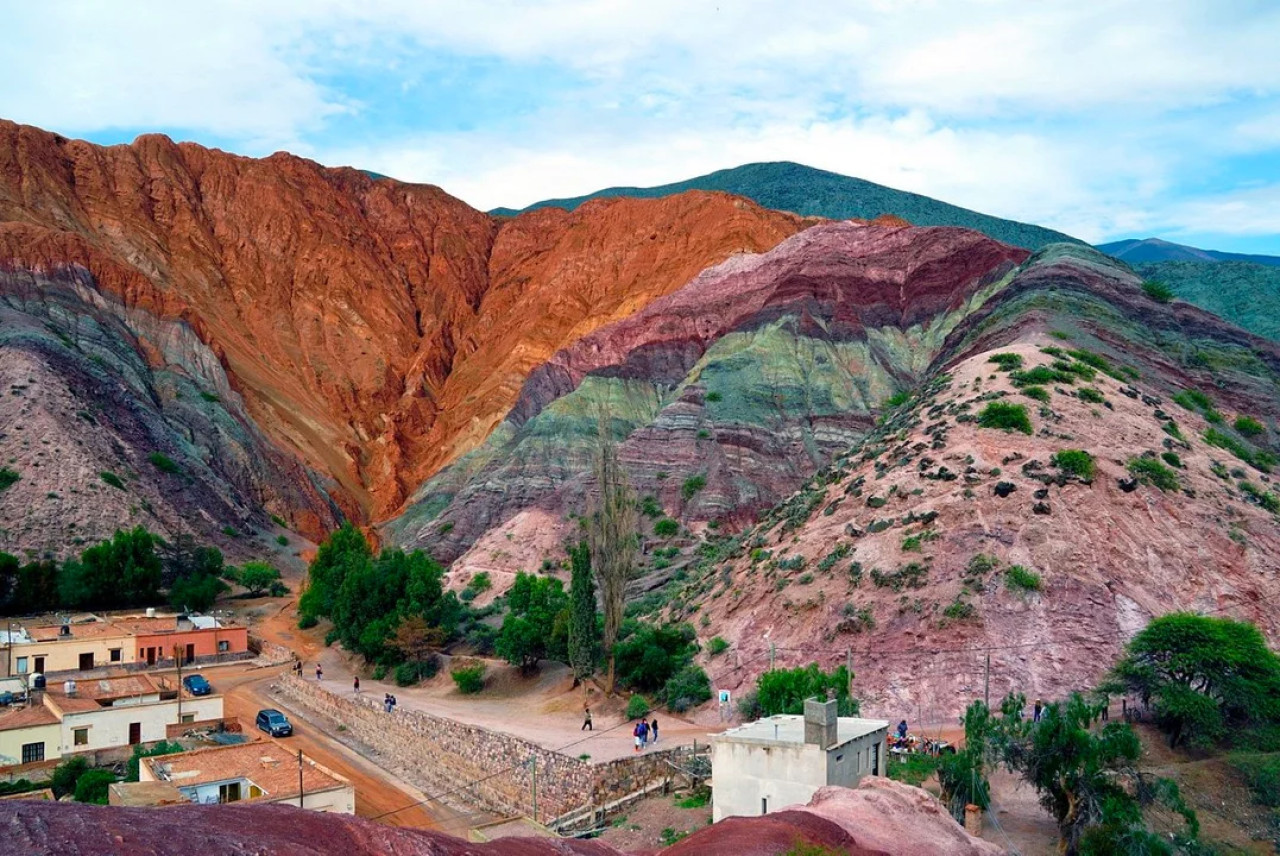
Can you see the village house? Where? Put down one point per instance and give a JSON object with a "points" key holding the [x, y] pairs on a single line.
{"points": [[104, 713], [778, 761], [91, 642], [264, 771]]}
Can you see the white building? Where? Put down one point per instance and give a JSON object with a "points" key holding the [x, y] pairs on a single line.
{"points": [[264, 771], [779, 761]]}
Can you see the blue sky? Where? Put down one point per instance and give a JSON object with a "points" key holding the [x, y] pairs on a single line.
{"points": [[1105, 120]]}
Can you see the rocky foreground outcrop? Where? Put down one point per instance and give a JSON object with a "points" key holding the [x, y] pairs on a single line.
{"points": [[879, 818]]}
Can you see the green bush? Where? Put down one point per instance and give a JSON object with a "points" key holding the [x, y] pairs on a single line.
{"points": [[1248, 426], [111, 479], [1076, 462], [1041, 375], [687, 688], [257, 577], [1262, 774], [1091, 395], [379, 671], [666, 528], [1039, 393], [1196, 401], [307, 620], [713, 396], [912, 769], [717, 646], [1020, 578], [8, 478], [898, 399], [66, 774], [92, 786], [1260, 460], [911, 543], [1006, 417], [481, 581], [163, 463], [646, 656], [960, 610], [649, 507], [407, 674], [637, 707], [1152, 472], [1172, 459], [209, 396], [692, 485], [1157, 291], [1007, 362], [785, 690], [469, 677]]}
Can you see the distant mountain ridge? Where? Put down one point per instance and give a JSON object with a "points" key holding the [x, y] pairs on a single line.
{"points": [[804, 190], [1136, 251]]}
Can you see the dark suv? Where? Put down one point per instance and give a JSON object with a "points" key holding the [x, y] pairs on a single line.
{"points": [[274, 723], [197, 685]]}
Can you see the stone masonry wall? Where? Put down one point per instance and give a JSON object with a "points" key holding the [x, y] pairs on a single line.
{"points": [[475, 765]]}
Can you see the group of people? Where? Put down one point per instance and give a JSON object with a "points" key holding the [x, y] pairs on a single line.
{"points": [[902, 742], [388, 702], [646, 731]]}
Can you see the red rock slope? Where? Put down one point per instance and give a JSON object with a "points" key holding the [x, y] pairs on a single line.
{"points": [[376, 328]]}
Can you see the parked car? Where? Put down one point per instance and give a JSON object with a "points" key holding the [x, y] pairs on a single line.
{"points": [[274, 723], [197, 685]]}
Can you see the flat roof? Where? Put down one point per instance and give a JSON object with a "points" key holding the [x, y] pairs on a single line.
{"points": [[90, 692], [139, 625], [784, 729], [96, 629], [144, 794], [264, 763]]}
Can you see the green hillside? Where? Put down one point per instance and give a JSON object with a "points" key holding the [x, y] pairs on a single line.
{"points": [[1244, 293], [814, 192]]}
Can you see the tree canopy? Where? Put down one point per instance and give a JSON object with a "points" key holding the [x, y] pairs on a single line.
{"points": [[1205, 677], [785, 690], [536, 626]]}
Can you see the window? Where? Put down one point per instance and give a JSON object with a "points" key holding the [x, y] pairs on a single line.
{"points": [[115, 655], [764, 805], [80, 736], [229, 792], [32, 752], [223, 646], [188, 717], [22, 665]]}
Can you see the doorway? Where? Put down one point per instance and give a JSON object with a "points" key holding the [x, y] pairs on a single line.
{"points": [[151, 656], [86, 661], [191, 652], [39, 665], [135, 733]]}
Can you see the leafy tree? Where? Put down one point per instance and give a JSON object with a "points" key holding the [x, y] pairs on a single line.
{"points": [[536, 623], [125, 571], [611, 521], [185, 557], [584, 630], [35, 589], [666, 528], [785, 690], [469, 676], [257, 577], [962, 776], [417, 641], [1203, 676], [196, 592], [649, 655], [687, 688], [344, 550]]}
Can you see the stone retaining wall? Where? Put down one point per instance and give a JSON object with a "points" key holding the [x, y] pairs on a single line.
{"points": [[475, 765]]}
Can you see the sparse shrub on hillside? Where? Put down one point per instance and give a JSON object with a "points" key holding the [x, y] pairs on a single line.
{"points": [[1262, 774], [481, 581], [1005, 417], [112, 479], [666, 528], [898, 399], [1248, 426], [1157, 291], [257, 577], [1091, 395], [692, 485], [282, 540], [8, 478], [713, 396], [468, 675], [210, 397], [407, 674], [650, 507], [1198, 402], [960, 610], [911, 543], [1260, 460], [717, 646], [163, 463], [1041, 375], [1152, 472], [1076, 462], [1020, 578], [1039, 393], [1171, 428], [637, 706], [1172, 459], [1007, 362], [913, 575], [837, 553], [792, 563], [687, 688]]}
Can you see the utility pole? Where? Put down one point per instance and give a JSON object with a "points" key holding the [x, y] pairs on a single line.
{"points": [[300, 791], [986, 684], [848, 665]]}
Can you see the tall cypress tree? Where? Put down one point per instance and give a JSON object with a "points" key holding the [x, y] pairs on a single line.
{"points": [[584, 640]]}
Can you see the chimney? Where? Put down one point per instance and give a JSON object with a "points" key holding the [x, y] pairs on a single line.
{"points": [[821, 722]]}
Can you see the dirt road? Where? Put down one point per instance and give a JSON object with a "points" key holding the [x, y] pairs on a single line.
{"points": [[379, 794]]}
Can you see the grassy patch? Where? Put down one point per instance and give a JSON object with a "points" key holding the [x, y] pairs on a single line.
{"points": [[714, 396], [1092, 395], [1198, 402], [692, 485], [1152, 472], [898, 399], [1255, 458], [8, 478], [210, 397], [666, 528], [717, 646], [700, 798], [1039, 393], [111, 479], [1041, 375], [1076, 462], [1006, 417], [1007, 362], [1248, 426], [163, 463], [912, 769], [1261, 773], [1019, 578]]}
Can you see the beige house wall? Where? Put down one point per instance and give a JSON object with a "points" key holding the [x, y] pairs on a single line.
{"points": [[63, 655], [109, 726], [12, 741]]}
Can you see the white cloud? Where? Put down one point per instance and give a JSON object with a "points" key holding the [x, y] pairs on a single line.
{"points": [[1253, 211]]}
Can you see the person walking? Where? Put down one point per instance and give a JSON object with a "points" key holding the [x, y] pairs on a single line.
{"points": [[1035, 711], [319, 672], [636, 733], [356, 684], [586, 718], [644, 734], [653, 729], [386, 702]]}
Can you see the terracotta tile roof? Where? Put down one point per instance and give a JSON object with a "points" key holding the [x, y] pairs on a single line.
{"points": [[26, 717], [83, 630], [122, 686], [265, 763]]}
